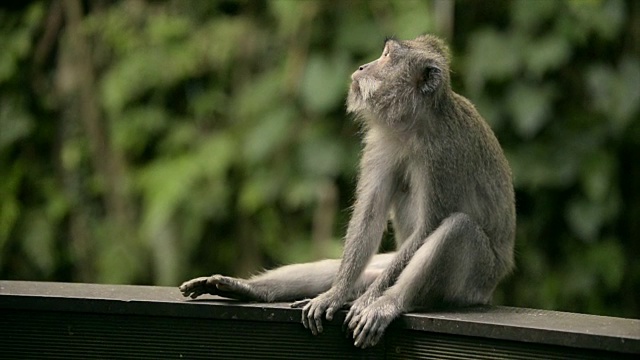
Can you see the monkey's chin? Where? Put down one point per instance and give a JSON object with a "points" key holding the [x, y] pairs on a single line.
{"points": [[355, 86], [355, 103], [361, 93], [355, 100]]}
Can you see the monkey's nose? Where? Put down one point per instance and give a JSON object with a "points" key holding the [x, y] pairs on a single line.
{"points": [[362, 67]]}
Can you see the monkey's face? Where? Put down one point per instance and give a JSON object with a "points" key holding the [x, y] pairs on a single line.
{"points": [[406, 76], [367, 79]]}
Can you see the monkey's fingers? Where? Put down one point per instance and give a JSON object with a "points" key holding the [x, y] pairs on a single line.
{"points": [[345, 323], [375, 338], [361, 331], [312, 317], [353, 313], [350, 323], [347, 319], [374, 334], [370, 334], [370, 329], [329, 313], [353, 322], [317, 322], [305, 316]]}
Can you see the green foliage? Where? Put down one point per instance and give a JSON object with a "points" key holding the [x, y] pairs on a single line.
{"points": [[210, 136]]}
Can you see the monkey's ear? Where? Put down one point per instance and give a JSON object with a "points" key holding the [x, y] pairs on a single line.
{"points": [[430, 78]]}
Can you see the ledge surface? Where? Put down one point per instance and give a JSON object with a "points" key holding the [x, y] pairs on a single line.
{"points": [[553, 328]]}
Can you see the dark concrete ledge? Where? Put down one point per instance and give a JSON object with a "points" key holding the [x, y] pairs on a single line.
{"points": [[51, 320]]}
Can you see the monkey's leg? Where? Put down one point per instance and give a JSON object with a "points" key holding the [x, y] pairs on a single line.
{"points": [[287, 283], [302, 281], [373, 270], [296, 281], [455, 265], [291, 282]]}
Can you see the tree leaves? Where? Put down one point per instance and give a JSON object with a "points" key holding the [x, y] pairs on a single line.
{"points": [[228, 119], [325, 82], [615, 92]]}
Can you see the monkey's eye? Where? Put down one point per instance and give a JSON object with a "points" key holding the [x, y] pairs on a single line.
{"points": [[387, 50]]}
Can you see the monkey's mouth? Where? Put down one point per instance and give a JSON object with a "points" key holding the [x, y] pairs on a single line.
{"points": [[355, 90], [355, 86]]}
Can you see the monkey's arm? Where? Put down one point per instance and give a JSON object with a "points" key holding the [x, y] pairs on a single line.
{"points": [[374, 193]]}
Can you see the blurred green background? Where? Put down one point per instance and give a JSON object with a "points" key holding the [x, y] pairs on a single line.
{"points": [[147, 142]]}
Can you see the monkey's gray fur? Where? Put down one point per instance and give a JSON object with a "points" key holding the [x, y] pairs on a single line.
{"points": [[433, 166]]}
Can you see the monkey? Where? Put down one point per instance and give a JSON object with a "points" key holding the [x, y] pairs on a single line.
{"points": [[431, 166]]}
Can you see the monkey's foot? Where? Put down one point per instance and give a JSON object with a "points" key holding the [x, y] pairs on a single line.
{"points": [[217, 285], [196, 287], [368, 326]]}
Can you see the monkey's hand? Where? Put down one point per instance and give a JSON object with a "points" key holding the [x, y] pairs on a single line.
{"points": [[326, 303], [368, 326], [357, 307]]}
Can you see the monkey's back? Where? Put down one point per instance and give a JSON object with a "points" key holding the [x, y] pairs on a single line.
{"points": [[468, 172]]}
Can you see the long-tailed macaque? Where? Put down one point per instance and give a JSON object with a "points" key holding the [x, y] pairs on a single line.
{"points": [[433, 166]]}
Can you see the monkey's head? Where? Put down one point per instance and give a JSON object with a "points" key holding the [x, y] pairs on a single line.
{"points": [[408, 79]]}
